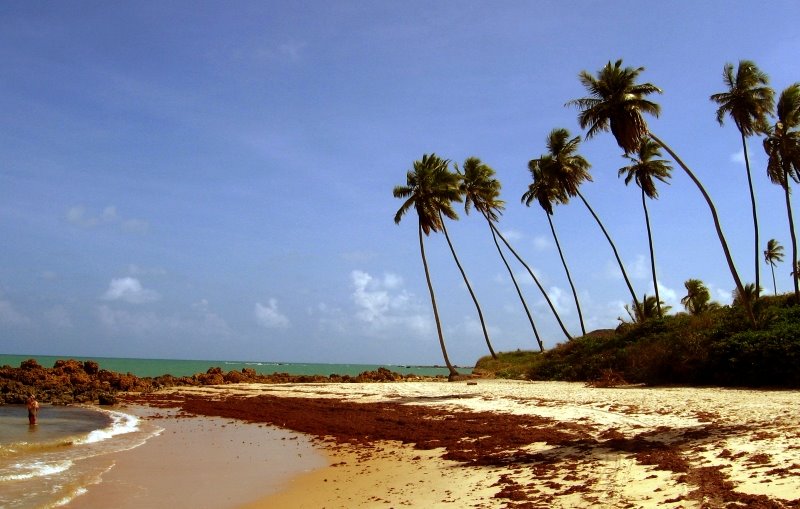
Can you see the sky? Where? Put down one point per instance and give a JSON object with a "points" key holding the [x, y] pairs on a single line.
{"points": [[213, 180]]}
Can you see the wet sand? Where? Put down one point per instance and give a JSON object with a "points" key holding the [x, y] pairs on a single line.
{"points": [[200, 462], [523, 444]]}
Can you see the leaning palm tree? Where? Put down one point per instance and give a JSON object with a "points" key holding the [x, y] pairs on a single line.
{"points": [[482, 191], [773, 255], [698, 299], [782, 145], [644, 170], [616, 103], [569, 170], [748, 101], [430, 189], [469, 287], [544, 191]]}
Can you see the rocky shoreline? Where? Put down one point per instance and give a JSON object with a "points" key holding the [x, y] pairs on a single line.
{"points": [[71, 381]]}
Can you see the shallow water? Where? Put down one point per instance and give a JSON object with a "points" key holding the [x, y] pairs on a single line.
{"points": [[44, 465]]}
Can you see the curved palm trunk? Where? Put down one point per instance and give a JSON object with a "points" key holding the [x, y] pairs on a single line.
{"points": [[774, 286], [728, 258], [614, 249], [755, 215], [652, 253], [469, 287], [791, 233], [533, 276], [516, 286], [453, 372], [566, 269]]}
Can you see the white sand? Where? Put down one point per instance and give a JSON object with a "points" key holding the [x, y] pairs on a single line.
{"points": [[756, 441]]}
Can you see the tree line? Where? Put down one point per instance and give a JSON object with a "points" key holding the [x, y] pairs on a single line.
{"points": [[616, 102]]}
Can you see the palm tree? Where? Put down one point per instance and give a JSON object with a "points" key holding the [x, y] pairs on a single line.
{"points": [[543, 190], [469, 288], [643, 171], [568, 171], [648, 309], [748, 101], [782, 146], [430, 189], [482, 191], [772, 255], [698, 299], [616, 102], [750, 291]]}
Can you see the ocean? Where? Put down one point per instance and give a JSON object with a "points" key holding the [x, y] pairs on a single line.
{"points": [[50, 463], [176, 367]]}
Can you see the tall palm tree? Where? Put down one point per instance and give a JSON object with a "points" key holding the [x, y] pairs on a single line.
{"points": [[698, 299], [469, 288], [482, 192], [430, 189], [748, 101], [544, 191], [772, 255], [782, 146], [569, 170], [645, 169], [616, 102]]}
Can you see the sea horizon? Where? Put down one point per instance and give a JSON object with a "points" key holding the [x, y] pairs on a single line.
{"points": [[146, 367]]}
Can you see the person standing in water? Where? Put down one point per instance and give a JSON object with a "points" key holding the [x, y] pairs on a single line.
{"points": [[33, 409]]}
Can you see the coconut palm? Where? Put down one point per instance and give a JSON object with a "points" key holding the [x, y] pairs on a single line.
{"points": [[544, 191], [698, 299], [469, 288], [430, 189], [750, 291], [782, 146], [772, 255], [482, 192], [616, 103], [644, 171], [748, 101], [648, 309], [569, 170]]}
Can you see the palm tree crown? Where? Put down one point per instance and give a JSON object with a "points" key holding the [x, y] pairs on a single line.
{"points": [[646, 168], [774, 252], [562, 169], [616, 103], [430, 188], [782, 143], [480, 189], [748, 100], [698, 298]]}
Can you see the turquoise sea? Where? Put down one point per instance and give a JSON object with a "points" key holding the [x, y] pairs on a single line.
{"points": [[176, 367]]}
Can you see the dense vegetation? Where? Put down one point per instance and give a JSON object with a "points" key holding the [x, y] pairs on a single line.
{"points": [[716, 347]]}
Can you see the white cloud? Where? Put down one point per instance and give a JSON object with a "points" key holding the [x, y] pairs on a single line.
{"points": [[79, 216], [269, 316], [511, 235], [640, 269], [383, 304], [738, 157], [130, 290]]}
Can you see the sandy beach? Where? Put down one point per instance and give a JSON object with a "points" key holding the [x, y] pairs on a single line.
{"points": [[486, 443]]}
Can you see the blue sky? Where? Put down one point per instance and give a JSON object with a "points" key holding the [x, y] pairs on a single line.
{"points": [[213, 180]]}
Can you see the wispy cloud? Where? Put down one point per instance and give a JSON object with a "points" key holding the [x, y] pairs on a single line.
{"points": [[78, 215], [130, 290], [9, 314], [383, 304], [269, 316]]}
